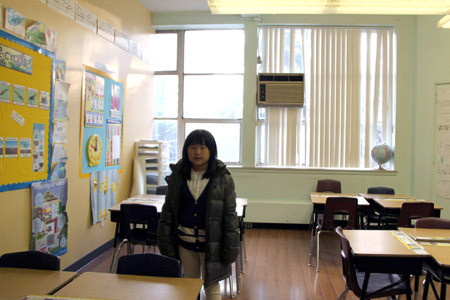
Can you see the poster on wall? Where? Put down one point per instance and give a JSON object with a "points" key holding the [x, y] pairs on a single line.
{"points": [[101, 137], [49, 223], [26, 102], [104, 185], [443, 140]]}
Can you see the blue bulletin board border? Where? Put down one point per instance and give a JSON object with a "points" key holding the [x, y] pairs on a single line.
{"points": [[52, 56], [86, 131]]}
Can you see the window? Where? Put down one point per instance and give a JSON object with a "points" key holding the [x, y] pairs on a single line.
{"points": [[201, 87], [349, 96]]}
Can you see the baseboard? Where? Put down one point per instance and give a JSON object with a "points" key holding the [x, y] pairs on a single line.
{"points": [[79, 264], [276, 226]]}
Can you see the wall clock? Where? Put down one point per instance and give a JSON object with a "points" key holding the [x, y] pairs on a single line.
{"points": [[94, 150]]}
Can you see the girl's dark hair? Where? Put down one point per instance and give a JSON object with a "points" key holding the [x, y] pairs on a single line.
{"points": [[199, 137]]}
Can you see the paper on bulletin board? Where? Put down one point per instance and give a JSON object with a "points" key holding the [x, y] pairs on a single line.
{"points": [[104, 194], [443, 149], [50, 223], [23, 116]]}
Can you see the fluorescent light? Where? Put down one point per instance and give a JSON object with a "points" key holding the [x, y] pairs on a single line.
{"points": [[396, 7], [444, 22]]}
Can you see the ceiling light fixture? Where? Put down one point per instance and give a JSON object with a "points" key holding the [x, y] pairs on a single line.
{"points": [[387, 7]]}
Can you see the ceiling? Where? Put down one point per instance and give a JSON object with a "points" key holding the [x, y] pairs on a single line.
{"points": [[175, 5]]}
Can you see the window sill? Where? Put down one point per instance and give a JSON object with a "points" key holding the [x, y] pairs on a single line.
{"points": [[329, 171]]}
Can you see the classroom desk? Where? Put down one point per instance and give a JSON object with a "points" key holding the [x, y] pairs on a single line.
{"points": [[17, 283], [380, 251], [131, 287], [392, 205], [319, 199], [439, 262]]}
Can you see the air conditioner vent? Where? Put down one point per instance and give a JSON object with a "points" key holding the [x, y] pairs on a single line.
{"points": [[280, 89]]}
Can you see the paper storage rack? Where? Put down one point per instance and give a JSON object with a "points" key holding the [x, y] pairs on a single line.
{"points": [[153, 158]]}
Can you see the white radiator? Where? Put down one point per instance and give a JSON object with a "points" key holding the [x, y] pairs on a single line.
{"points": [[278, 212]]}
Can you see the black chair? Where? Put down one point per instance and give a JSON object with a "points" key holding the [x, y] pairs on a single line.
{"points": [[412, 210], [138, 226], [162, 189], [430, 273], [380, 285], [149, 264], [334, 206], [30, 260], [373, 215]]}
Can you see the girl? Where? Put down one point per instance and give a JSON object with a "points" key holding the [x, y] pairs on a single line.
{"points": [[198, 222]]}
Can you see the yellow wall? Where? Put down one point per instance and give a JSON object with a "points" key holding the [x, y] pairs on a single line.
{"points": [[79, 46]]}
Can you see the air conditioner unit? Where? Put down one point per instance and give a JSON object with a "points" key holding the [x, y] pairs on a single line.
{"points": [[280, 89]]}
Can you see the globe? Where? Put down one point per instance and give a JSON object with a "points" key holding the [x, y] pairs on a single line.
{"points": [[381, 154]]}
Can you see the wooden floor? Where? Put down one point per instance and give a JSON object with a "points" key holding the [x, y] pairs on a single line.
{"points": [[277, 267]]}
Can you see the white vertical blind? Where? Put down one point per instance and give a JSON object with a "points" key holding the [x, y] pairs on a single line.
{"points": [[349, 95]]}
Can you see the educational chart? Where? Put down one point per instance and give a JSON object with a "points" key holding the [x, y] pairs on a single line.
{"points": [[101, 122], [49, 226], [104, 194], [443, 140], [26, 105]]}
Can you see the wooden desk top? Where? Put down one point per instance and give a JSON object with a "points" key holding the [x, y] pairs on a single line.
{"points": [[158, 201], [381, 243], [386, 196], [321, 198], [129, 287], [396, 203], [440, 253], [17, 283]]}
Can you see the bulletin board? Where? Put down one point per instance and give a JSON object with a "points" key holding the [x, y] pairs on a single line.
{"points": [[26, 104], [101, 138]]}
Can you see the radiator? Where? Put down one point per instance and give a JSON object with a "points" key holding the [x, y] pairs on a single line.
{"points": [[278, 212]]}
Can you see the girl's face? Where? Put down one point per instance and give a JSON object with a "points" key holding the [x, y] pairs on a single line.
{"points": [[198, 155]]}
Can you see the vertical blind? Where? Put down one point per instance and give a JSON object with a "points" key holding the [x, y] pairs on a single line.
{"points": [[349, 96]]}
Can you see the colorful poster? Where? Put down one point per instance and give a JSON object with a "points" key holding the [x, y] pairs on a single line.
{"points": [[15, 21], [11, 147], [60, 69], [15, 60], [51, 40], [113, 143], [115, 101], [1, 147], [36, 33], [44, 100], [32, 97], [49, 224], [19, 94], [5, 91], [59, 132], [59, 152], [25, 147], [104, 193], [38, 147]]}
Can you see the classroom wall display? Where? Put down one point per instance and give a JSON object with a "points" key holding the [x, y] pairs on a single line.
{"points": [[104, 185], [49, 224], [26, 102], [442, 160], [101, 136]]}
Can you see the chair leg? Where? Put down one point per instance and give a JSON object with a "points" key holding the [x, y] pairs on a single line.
{"points": [[237, 269], [443, 290], [344, 294], [230, 281], [115, 257], [311, 247], [317, 256]]}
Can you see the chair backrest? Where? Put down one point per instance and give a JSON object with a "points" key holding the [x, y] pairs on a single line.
{"points": [[348, 265], [328, 185], [30, 260], [162, 189], [433, 222], [340, 205], [381, 190], [134, 215], [149, 264], [414, 210]]}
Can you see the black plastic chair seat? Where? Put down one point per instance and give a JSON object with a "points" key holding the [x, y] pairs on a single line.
{"points": [[30, 260], [149, 264]]}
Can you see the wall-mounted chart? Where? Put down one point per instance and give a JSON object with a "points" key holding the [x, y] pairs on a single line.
{"points": [[26, 105], [101, 141]]}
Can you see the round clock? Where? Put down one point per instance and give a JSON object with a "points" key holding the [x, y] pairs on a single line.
{"points": [[94, 150]]}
